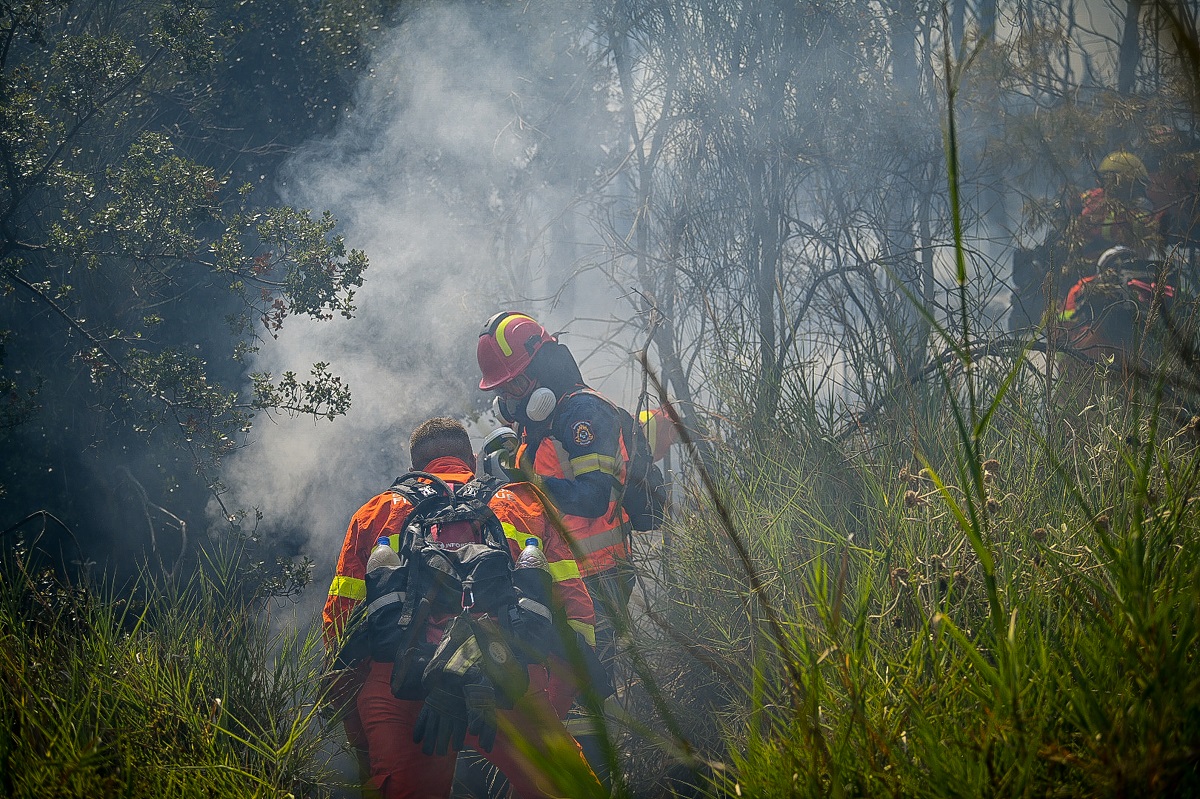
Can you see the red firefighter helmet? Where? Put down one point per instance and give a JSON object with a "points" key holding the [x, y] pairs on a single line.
{"points": [[507, 344]]}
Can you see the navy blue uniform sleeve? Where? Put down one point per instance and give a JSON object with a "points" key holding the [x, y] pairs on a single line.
{"points": [[589, 430]]}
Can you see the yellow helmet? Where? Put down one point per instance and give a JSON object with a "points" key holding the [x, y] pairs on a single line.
{"points": [[1124, 165], [659, 429]]}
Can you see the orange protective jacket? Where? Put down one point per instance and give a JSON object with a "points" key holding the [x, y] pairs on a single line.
{"points": [[522, 516], [600, 542], [1106, 222]]}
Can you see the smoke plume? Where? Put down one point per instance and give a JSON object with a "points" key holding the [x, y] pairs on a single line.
{"points": [[442, 176]]}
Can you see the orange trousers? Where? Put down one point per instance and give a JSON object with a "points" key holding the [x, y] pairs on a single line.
{"points": [[400, 770]]}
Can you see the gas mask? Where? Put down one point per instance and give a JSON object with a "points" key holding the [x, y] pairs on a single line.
{"points": [[537, 407]]}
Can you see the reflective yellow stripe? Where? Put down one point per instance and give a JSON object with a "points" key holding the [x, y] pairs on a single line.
{"points": [[559, 569], [513, 534], [348, 587], [594, 462], [588, 631], [504, 323], [594, 543], [564, 570]]}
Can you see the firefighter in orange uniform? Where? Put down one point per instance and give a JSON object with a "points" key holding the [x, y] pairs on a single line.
{"points": [[570, 442], [1117, 212], [400, 767], [1105, 313]]}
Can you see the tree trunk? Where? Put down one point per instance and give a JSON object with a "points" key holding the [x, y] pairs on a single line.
{"points": [[1130, 51], [958, 14], [987, 18], [764, 225]]}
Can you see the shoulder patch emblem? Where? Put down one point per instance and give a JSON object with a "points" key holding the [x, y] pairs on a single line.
{"points": [[582, 433]]}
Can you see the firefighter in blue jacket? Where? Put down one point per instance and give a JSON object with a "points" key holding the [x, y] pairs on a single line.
{"points": [[570, 442]]}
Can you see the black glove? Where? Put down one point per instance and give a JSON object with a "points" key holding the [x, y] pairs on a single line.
{"points": [[480, 700], [442, 723]]}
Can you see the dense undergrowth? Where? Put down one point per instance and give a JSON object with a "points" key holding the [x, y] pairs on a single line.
{"points": [[1033, 633], [1009, 607], [988, 587], [917, 625], [171, 688]]}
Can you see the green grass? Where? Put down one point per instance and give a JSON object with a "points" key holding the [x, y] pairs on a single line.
{"points": [[991, 589], [168, 689]]}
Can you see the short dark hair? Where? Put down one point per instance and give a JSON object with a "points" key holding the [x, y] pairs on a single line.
{"points": [[438, 437]]}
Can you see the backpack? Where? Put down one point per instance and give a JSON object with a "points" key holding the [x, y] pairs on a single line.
{"points": [[644, 497], [430, 580], [476, 580]]}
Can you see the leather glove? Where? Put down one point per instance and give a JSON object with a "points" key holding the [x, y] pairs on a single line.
{"points": [[480, 700], [442, 722]]}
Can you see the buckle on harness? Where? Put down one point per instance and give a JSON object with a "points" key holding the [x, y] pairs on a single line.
{"points": [[468, 598]]}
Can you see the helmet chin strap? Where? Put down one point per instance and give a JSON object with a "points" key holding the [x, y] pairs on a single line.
{"points": [[540, 405]]}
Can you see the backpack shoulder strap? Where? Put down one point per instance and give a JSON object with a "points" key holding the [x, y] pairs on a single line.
{"points": [[591, 392], [430, 496], [416, 486], [426, 494], [482, 487]]}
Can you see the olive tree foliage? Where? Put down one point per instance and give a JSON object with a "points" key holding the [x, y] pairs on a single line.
{"points": [[135, 272]]}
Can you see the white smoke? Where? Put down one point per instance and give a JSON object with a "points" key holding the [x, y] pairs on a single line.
{"points": [[421, 175]]}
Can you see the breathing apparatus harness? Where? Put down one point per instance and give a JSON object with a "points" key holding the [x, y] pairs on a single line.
{"points": [[500, 616]]}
